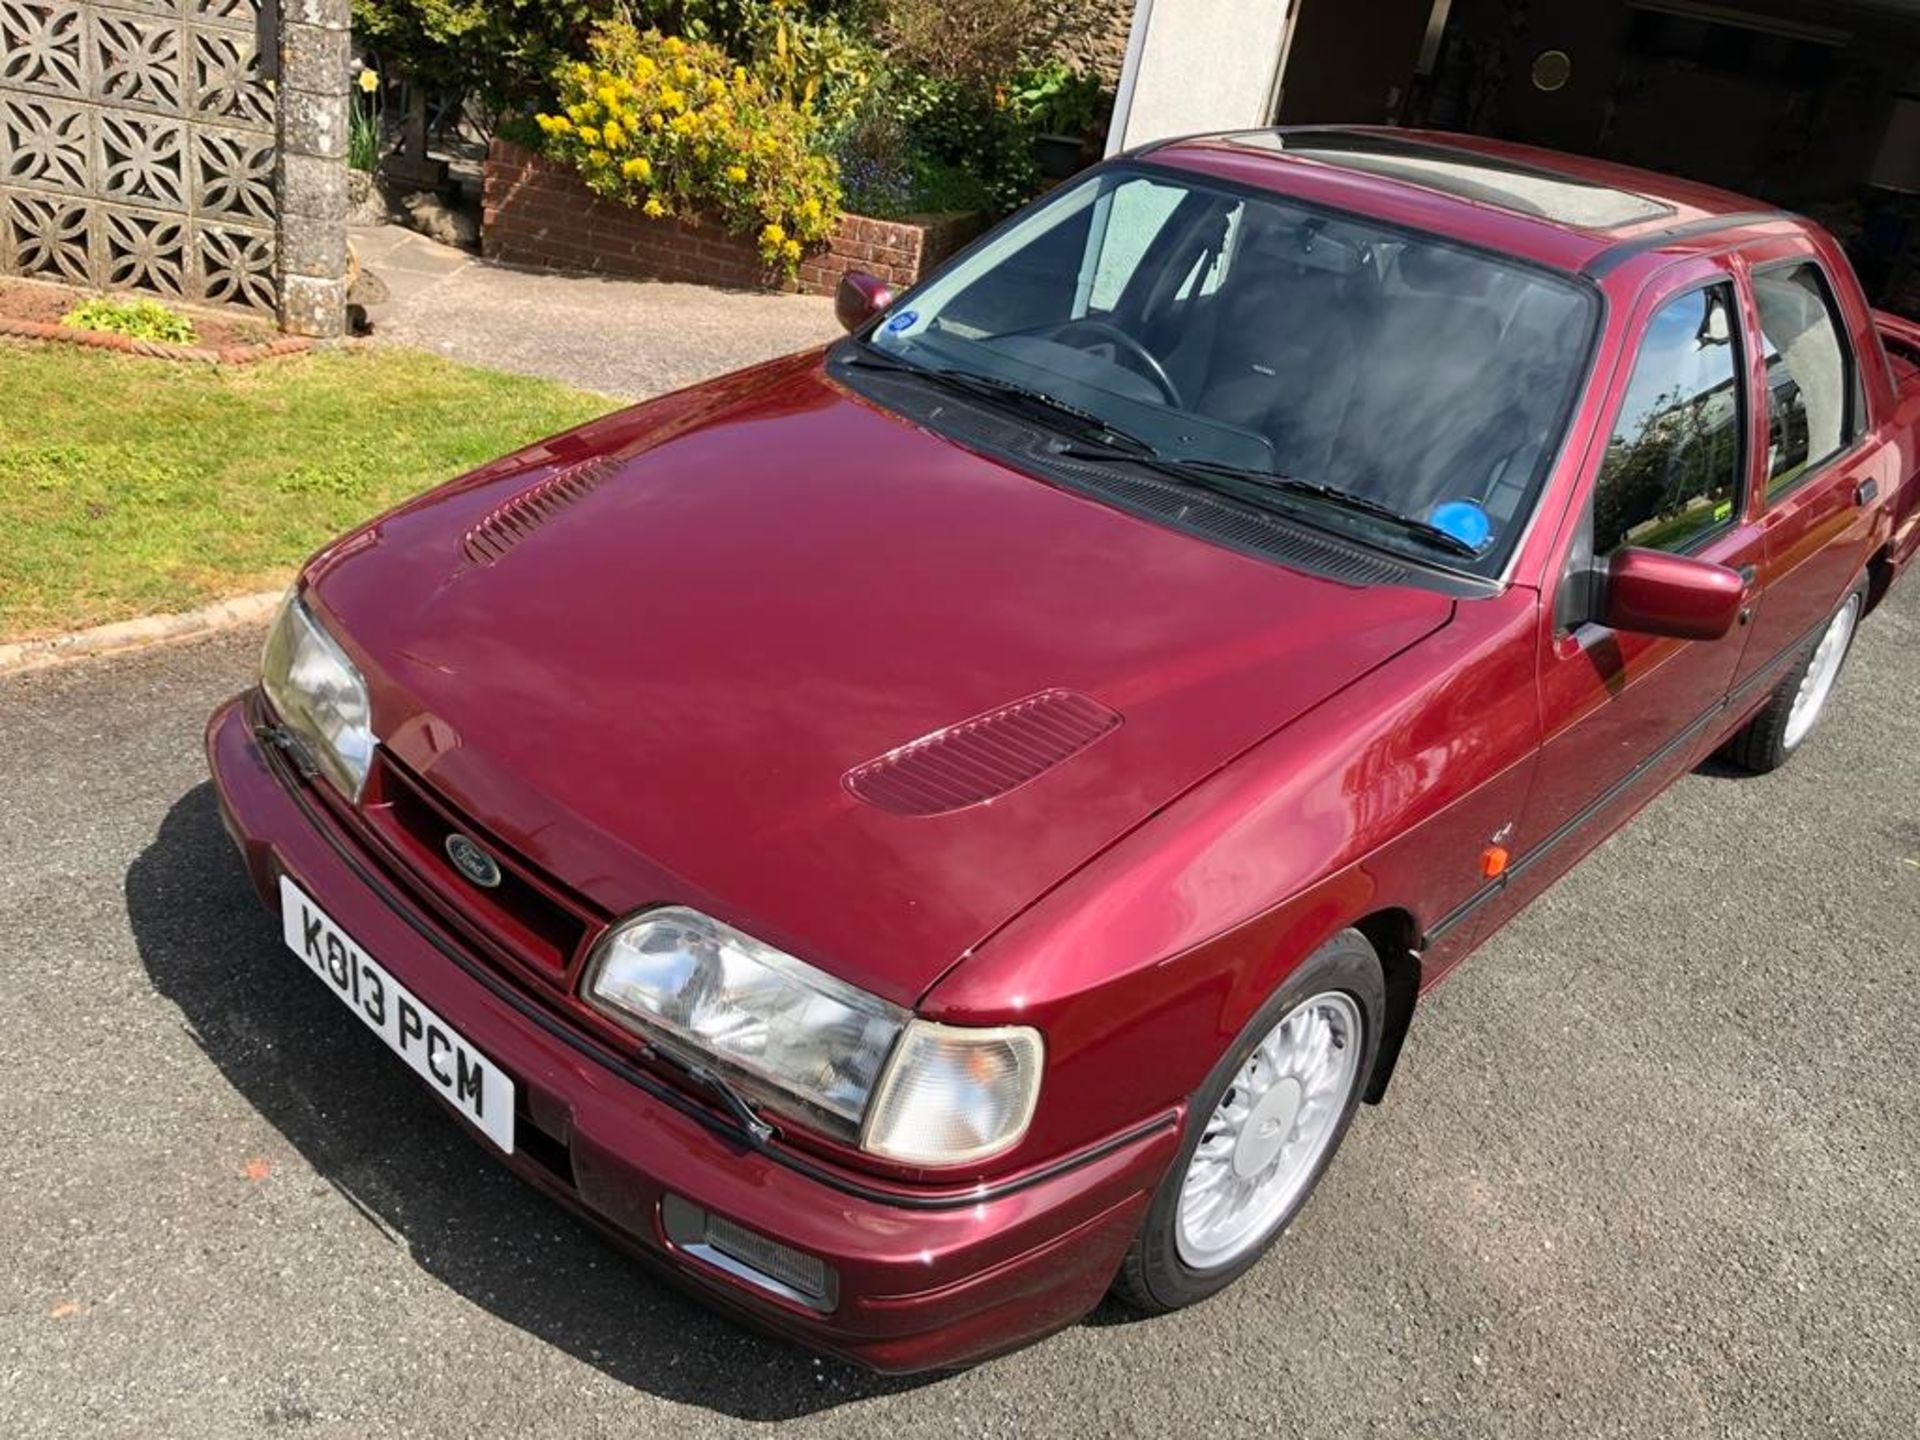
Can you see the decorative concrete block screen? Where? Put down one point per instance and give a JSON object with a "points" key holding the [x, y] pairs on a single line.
{"points": [[141, 148]]}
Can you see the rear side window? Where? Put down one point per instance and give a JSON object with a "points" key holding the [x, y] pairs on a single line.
{"points": [[1810, 389], [1671, 475]]}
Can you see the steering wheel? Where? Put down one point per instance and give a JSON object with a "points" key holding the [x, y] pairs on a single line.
{"points": [[1149, 367]]}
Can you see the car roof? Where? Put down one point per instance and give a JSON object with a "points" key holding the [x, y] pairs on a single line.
{"points": [[1567, 211]]}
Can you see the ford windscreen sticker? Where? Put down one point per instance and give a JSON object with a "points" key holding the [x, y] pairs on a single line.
{"points": [[903, 322]]}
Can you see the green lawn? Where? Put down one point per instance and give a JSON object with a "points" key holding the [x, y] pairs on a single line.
{"points": [[131, 487]]}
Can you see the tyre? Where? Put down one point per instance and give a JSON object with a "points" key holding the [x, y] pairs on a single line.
{"points": [[1261, 1130], [1769, 739]]}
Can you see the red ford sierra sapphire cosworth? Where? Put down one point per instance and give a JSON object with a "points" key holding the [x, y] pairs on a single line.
{"points": [[915, 835]]}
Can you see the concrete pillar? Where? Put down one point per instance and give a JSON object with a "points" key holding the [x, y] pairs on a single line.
{"points": [[311, 171], [1195, 65]]}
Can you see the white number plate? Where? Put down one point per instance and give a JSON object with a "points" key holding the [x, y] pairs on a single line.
{"points": [[436, 1051]]}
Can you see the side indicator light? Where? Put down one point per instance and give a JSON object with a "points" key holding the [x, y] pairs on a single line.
{"points": [[1493, 861]]}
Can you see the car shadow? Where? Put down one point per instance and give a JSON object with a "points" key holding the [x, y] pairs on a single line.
{"points": [[408, 1168], [1717, 767]]}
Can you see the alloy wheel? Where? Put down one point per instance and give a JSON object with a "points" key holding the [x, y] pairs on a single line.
{"points": [[1273, 1127], [1817, 684]]}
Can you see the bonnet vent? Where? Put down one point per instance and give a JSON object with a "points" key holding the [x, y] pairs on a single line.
{"points": [[979, 759], [512, 521]]}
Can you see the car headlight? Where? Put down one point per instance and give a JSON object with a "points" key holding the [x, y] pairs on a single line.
{"points": [[803, 1041], [319, 696]]}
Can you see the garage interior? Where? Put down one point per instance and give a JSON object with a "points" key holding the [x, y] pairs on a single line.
{"points": [[1811, 106]]}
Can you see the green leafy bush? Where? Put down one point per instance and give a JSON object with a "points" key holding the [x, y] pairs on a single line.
{"points": [[955, 125], [812, 62], [1053, 98], [141, 319], [502, 51], [676, 128], [734, 25]]}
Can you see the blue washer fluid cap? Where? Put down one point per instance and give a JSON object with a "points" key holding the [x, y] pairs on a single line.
{"points": [[1464, 520]]}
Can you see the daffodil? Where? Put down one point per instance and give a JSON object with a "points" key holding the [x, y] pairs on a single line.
{"points": [[369, 81]]}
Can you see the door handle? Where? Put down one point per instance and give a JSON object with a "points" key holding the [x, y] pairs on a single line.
{"points": [[1866, 492], [1748, 574]]}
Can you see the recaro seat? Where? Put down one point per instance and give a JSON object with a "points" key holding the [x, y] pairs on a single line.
{"points": [[1285, 361], [1425, 360]]}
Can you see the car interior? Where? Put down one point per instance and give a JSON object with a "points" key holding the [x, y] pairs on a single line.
{"points": [[1406, 370]]}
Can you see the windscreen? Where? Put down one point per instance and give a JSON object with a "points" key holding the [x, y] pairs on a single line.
{"points": [[1249, 330]]}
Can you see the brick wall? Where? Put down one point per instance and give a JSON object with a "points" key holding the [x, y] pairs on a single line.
{"points": [[541, 215]]}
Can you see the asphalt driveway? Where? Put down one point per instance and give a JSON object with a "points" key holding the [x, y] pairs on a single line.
{"points": [[1649, 1166], [625, 338]]}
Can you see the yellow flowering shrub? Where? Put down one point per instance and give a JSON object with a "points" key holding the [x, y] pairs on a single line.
{"points": [[676, 128]]}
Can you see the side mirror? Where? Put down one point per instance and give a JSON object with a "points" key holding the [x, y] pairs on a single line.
{"points": [[858, 298], [1653, 593]]}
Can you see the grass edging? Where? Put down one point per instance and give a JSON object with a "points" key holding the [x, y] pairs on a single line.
{"points": [[154, 349], [20, 656]]}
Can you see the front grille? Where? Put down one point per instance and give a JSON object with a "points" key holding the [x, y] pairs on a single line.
{"points": [[528, 920]]}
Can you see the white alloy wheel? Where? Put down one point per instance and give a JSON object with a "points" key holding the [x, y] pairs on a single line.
{"points": [[1264, 1142], [1817, 684]]}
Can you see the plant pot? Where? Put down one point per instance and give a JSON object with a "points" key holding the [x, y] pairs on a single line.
{"points": [[1058, 155]]}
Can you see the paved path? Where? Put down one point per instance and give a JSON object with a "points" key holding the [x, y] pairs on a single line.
{"points": [[1648, 1169], [625, 338]]}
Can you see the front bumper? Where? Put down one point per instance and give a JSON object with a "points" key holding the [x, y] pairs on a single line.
{"points": [[925, 1279]]}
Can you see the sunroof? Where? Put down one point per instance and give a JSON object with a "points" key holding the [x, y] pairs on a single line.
{"points": [[1524, 189]]}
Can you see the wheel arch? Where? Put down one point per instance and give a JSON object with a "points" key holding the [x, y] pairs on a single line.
{"points": [[1879, 575], [1395, 937]]}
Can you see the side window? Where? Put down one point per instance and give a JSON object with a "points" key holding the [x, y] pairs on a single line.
{"points": [[1810, 388], [1671, 474]]}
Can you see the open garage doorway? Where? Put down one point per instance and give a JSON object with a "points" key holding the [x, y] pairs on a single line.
{"points": [[1811, 106]]}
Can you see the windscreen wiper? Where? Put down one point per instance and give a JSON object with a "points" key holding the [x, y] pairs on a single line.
{"points": [[1024, 397], [1235, 481], [1102, 440]]}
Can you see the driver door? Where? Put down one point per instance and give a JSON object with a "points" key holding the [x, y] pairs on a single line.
{"points": [[1622, 713]]}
